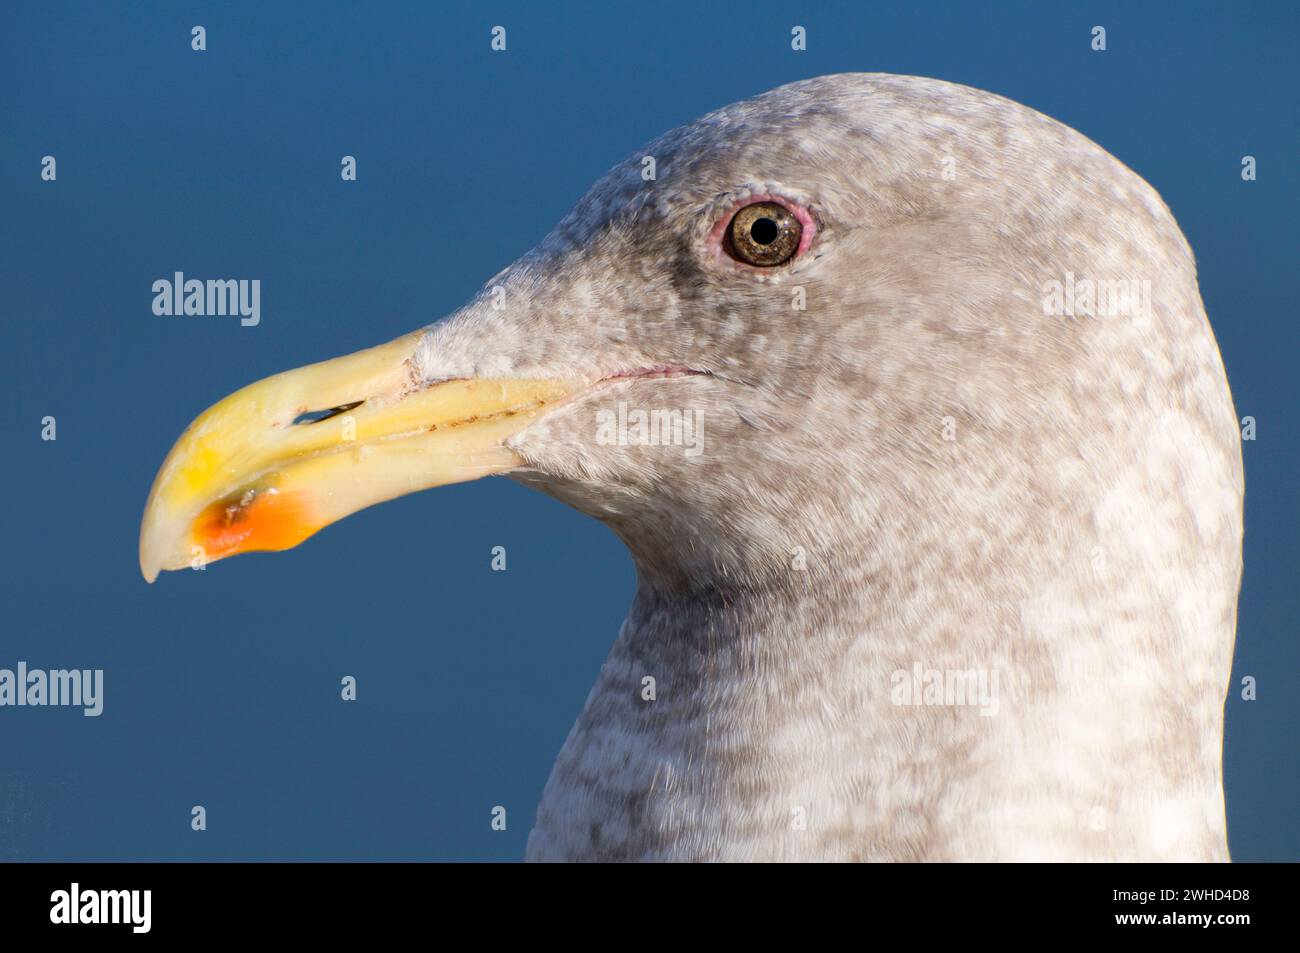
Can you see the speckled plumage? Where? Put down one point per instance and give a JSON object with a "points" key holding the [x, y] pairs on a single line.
{"points": [[921, 467]]}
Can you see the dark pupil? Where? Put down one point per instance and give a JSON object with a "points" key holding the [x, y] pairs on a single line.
{"points": [[764, 231]]}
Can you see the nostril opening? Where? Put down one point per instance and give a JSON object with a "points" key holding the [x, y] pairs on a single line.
{"points": [[316, 416]]}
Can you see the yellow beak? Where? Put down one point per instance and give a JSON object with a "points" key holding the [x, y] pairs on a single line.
{"points": [[273, 463]]}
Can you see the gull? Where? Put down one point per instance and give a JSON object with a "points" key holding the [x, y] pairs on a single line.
{"points": [[950, 571]]}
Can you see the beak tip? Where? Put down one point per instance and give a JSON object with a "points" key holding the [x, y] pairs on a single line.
{"points": [[151, 557], [149, 567]]}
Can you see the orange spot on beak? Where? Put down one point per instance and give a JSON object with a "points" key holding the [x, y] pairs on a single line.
{"points": [[257, 521]]}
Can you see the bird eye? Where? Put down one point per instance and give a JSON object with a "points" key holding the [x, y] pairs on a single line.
{"points": [[764, 234]]}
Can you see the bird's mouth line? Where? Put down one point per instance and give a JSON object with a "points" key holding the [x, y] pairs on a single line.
{"points": [[654, 372], [649, 373], [263, 470]]}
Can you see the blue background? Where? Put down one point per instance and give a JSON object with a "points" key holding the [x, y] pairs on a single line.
{"points": [[222, 687]]}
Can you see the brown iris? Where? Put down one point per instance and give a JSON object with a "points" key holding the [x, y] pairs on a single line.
{"points": [[764, 234]]}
